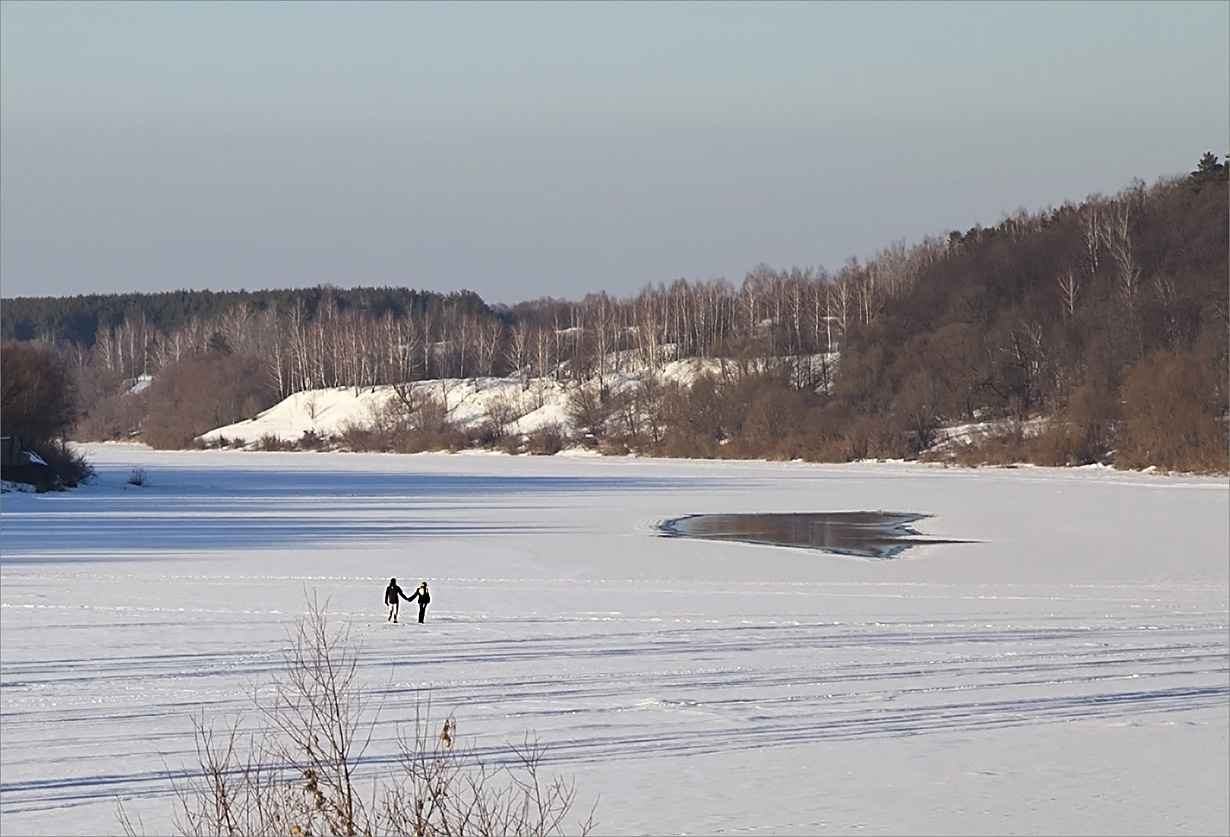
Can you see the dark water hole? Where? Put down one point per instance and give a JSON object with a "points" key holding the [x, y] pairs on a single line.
{"points": [[864, 534]]}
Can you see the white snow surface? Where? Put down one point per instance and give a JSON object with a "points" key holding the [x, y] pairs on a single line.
{"points": [[1064, 670], [538, 403], [329, 411]]}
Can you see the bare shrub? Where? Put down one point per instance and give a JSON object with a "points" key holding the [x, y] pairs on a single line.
{"points": [[694, 420], [1083, 437], [1005, 447], [298, 771], [423, 440], [590, 408], [68, 464], [311, 440], [202, 392], [410, 420], [1175, 418], [1055, 446], [876, 437], [38, 397], [828, 450], [512, 443], [138, 476], [432, 415], [502, 410], [1093, 415], [547, 440], [445, 791], [110, 411], [617, 446], [486, 434], [357, 437]]}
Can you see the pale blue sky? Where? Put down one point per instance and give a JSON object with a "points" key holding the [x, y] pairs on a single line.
{"points": [[522, 150]]}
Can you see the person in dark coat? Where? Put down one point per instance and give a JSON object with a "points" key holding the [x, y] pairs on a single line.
{"points": [[392, 597], [424, 597]]}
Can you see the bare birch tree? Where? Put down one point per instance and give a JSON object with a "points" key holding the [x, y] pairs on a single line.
{"points": [[1069, 290]]}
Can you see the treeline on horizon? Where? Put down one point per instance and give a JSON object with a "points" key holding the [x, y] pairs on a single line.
{"points": [[1095, 332]]}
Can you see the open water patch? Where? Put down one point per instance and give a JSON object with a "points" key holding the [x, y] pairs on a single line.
{"points": [[877, 535]]}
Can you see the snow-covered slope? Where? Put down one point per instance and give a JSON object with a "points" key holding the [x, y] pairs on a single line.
{"points": [[469, 402]]}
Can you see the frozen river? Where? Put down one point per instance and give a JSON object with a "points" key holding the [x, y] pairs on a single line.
{"points": [[1063, 668]]}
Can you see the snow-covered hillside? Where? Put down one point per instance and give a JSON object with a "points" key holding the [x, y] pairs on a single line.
{"points": [[538, 403]]}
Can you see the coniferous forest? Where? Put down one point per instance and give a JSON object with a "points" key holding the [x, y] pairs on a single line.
{"points": [[1095, 332]]}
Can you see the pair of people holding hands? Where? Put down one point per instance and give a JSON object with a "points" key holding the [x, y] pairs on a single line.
{"points": [[393, 595]]}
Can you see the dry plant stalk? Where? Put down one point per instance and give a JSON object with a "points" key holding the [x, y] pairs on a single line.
{"points": [[294, 771]]}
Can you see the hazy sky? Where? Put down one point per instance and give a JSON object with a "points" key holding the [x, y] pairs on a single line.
{"points": [[523, 150]]}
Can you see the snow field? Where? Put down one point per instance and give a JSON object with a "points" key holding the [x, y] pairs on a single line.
{"points": [[1067, 671]]}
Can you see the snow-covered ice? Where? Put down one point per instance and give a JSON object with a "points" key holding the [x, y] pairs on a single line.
{"points": [[1066, 670]]}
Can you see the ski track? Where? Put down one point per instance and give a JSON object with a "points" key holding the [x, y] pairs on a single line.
{"points": [[691, 687]]}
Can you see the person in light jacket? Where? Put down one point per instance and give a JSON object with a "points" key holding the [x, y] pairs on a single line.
{"points": [[423, 598]]}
